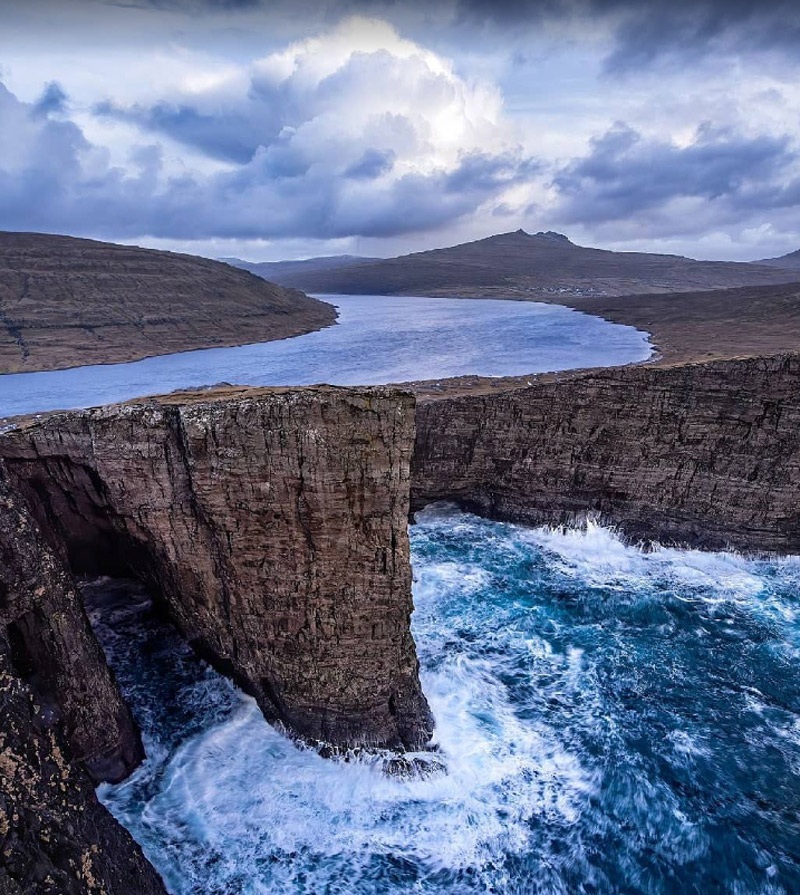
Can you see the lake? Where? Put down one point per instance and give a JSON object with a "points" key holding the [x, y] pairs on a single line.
{"points": [[377, 340]]}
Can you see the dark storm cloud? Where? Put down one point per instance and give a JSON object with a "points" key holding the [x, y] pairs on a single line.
{"points": [[228, 136], [188, 5], [372, 163], [625, 175], [483, 173], [644, 31], [682, 29]]}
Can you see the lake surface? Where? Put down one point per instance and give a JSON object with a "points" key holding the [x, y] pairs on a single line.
{"points": [[612, 721], [378, 339]]}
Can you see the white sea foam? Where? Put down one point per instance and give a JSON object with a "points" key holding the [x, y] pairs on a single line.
{"points": [[243, 786], [600, 557], [536, 723]]}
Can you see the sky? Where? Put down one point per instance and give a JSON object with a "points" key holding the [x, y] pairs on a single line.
{"points": [[269, 130]]}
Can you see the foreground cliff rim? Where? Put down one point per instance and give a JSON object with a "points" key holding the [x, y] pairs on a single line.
{"points": [[273, 527]]}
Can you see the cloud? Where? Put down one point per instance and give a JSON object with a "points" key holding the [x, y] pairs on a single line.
{"points": [[629, 179], [654, 32], [357, 131], [372, 164], [353, 132], [189, 6], [52, 101]]}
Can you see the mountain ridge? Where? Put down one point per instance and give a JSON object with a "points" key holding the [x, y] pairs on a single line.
{"points": [[276, 271], [790, 261], [539, 266]]}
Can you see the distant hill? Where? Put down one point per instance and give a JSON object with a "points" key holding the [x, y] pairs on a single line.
{"points": [[786, 262], [280, 271], [540, 266], [66, 302]]}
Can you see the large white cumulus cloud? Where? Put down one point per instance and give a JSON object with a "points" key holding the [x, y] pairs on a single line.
{"points": [[359, 132], [354, 132]]}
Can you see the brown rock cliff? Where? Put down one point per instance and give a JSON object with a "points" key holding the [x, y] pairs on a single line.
{"points": [[61, 714], [705, 454], [274, 527], [52, 647], [55, 837]]}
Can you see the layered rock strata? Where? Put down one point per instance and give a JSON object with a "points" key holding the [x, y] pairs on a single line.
{"points": [[701, 454], [272, 525], [65, 302], [55, 837]]}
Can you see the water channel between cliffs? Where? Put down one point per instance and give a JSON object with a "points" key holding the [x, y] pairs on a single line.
{"points": [[612, 721]]}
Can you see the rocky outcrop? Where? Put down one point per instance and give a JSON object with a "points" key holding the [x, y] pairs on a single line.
{"points": [[272, 524], [702, 454], [65, 302], [61, 715], [55, 837], [52, 647]]}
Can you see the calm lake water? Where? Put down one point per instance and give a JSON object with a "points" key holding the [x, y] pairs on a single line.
{"points": [[378, 339], [612, 721]]}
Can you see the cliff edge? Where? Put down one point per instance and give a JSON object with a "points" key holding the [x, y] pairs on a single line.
{"points": [[273, 528], [704, 454]]}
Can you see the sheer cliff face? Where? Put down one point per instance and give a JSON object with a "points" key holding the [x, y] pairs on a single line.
{"points": [[272, 525], [60, 714], [51, 645], [705, 454]]}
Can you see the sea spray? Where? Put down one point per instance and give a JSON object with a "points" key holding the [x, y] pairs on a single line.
{"points": [[612, 720]]}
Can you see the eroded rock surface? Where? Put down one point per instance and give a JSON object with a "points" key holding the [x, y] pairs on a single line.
{"points": [[273, 524], [704, 454], [52, 647], [55, 837], [61, 716]]}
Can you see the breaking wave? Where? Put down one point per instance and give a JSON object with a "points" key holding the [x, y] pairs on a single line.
{"points": [[612, 720]]}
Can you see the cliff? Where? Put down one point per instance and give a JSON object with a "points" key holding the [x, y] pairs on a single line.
{"points": [[702, 454], [65, 302], [55, 837], [61, 714], [272, 526], [52, 647]]}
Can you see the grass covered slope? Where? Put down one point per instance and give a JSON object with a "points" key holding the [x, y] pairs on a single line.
{"points": [[65, 302]]}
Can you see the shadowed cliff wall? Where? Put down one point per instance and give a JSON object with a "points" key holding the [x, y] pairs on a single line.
{"points": [[61, 715], [274, 527], [55, 837], [702, 454], [52, 647]]}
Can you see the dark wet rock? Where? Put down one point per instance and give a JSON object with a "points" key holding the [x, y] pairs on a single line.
{"points": [[55, 837], [63, 727]]}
